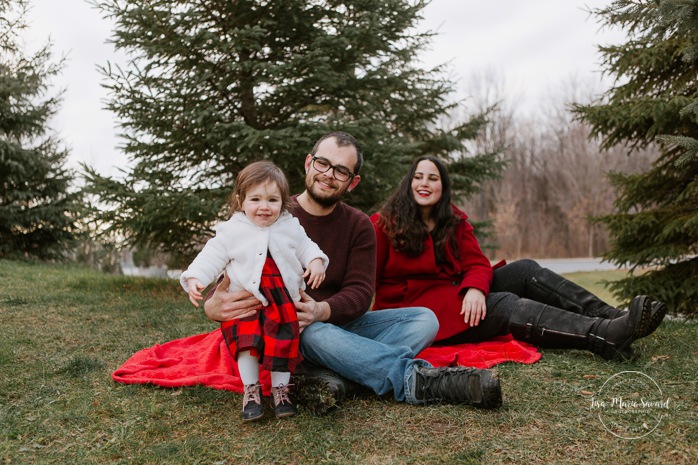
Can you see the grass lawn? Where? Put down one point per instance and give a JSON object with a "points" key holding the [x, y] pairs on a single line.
{"points": [[63, 330]]}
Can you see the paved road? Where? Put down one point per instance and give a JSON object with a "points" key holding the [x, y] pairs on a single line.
{"points": [[572, 265], [558, 265]]}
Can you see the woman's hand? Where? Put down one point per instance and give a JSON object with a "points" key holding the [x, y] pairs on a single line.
{"points": [[473, 309], [225, 306]]}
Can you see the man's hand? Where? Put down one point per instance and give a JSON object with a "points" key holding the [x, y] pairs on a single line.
{"points": [[310, 311], [226, 306], [473, 308]]}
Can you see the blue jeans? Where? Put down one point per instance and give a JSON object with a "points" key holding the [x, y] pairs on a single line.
{"points": [[376, 350]]}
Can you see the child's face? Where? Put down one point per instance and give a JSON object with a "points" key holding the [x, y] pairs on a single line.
{"points": [[262, 204]]}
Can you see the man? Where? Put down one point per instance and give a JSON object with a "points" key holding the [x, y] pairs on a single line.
{"points": [[374, 349]]}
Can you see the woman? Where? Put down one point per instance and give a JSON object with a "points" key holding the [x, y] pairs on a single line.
{"points": [[428, 256]]}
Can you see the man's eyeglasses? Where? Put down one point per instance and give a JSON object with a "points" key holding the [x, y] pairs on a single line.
{"points": [[340, 173]]}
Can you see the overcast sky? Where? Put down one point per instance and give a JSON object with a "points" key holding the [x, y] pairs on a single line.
{"points": [[533, 45]]}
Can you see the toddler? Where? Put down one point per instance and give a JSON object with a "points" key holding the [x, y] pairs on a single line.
{"points": [[263, 249]]}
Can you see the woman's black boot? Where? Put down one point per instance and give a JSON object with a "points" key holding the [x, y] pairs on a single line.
{"points": [[554, 328], [550, 288]]}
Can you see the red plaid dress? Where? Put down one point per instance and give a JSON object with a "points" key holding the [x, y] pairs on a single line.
{"points": [[272, 334]]}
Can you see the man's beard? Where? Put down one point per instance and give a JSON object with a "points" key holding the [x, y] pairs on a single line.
{"points": [[324, 201]]}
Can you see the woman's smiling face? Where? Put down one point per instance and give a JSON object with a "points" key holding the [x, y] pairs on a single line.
{"points": [[426, 185]]}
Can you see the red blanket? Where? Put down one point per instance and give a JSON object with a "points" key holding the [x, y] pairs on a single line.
{"points": [[204, 360]]}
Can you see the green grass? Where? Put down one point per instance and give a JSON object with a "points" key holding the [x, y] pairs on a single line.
{"points": [[63, 330]]}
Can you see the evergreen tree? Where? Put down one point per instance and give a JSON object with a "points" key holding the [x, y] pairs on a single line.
{"points": [[37, 211], [655, 99], [212, 85]]}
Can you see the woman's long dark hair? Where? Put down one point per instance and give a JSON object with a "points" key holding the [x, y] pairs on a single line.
{"points": [[401, 219]]}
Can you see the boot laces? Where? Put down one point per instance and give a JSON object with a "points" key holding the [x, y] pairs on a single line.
{"points": [[251, 395], [451, 384], [280, 394]]}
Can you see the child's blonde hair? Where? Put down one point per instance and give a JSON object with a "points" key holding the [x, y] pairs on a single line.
{"points": [[259, 172]]}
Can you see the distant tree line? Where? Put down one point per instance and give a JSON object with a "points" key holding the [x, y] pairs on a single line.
{"points": [[556, 180]]}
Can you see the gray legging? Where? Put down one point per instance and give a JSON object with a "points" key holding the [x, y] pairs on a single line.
{"points": [[508, 286]]}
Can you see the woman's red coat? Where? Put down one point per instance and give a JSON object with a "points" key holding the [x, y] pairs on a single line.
{"points": [[403, 281]]}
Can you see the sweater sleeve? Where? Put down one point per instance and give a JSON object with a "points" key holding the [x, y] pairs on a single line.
{"points": [[356, 293], [346, 236], [211, 261]]}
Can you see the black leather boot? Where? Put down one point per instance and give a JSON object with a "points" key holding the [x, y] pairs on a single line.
{"points": [[457, 385], [550, 288], [658, 313], [554, 328], [319, 389]]}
